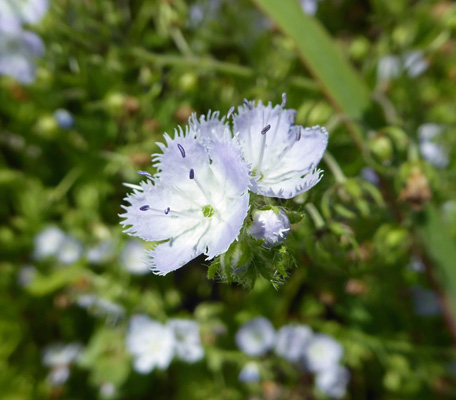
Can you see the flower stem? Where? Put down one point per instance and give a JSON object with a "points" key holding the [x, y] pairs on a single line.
{"points": [[334, 167]]}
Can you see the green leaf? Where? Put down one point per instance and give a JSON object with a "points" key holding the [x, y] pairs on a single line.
{"points": [[46, 284], [338, 80]]}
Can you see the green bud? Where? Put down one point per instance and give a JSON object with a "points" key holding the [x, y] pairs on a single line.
{"points": [[46, 126], [188, 82], [381, 148], [114, 102], [397, 135], [359, 48]]}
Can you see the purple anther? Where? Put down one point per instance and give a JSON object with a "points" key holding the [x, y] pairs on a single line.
{"points": [[181, 149], [230, 112], [265, 129], [192, 174], [298, 133], [284, 100], [167, 211], [144, 208], [145, 173], [246, 103]]}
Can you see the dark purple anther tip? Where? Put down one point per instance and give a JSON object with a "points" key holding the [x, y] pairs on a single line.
{"points": [[181, 149], [247, 104], [230, 112], [192, 174], [145, 173], [298, 134], [265, 129], [167, 211], [144, 208], [284, 100]]}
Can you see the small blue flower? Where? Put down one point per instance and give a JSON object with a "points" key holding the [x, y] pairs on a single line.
{"points": [[196, 204], [271, 227], [187, 340], [283, 156], [433, 152], [292, 342], [322, 353], [64, 118], [250, 373], [333, 381], [256, 337], [13, 13], [18, 51]]}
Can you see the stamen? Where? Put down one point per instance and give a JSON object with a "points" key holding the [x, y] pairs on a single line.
{"points": [[144, 173], [167, 211], [265, 129], [181, 149], [298, 134], [144, 208], [230, 112], [247, 104], [292, 116], [284, 100], [192, 174]]}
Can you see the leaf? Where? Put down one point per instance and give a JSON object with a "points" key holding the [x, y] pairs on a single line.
{"points": [[338, 80], [46, 284]]}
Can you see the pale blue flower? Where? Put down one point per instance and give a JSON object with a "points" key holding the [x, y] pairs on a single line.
{"points": [[256, 337], [133, 258], [151, 344], [292, 342], [70, 250], [100, 252], [283, 157], [47, 242], [26, 275], [196, 203], [389, 67], [15, 12], [414, 63], [188, 346], [101, 307], [323, 352], [59, 357], [310, 7], [64, 118], [250, 373], [333, 381], [18, 51], [271, 227], [434, 153], [369, 175]]}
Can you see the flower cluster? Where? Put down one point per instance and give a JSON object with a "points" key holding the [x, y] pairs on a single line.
{"points": [[198, 201], [319, 354], [154, 345], [19, 47], [59, 357]]}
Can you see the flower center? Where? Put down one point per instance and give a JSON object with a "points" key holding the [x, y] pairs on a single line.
{"points": [[208, 211]]}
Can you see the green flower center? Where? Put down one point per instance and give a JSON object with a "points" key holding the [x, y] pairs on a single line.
{"points": [[208, 211]]}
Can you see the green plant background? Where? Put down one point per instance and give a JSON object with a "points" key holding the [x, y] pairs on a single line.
{"points": [[130, 70]]}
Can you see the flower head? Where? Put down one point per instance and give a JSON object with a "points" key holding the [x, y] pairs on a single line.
{"points": [[196, 204], [64, 118], [187, 340], [15, 12], [151, 344], [47, 242], [133, 258], [323, 352], [333, 381], [250, 373], [433, 152], [18, 49], [292, 341], [283, 157], [256, 337], [58, 357], [271, 226]]}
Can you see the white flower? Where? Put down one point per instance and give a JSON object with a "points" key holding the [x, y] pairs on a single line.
{"points": [[250, 373], [333, 381], [27, 11], [273, 228], [57, 355], [309, 6], [196, 204], [389, 67], [256, 337], [414, 63], [48, 242], [70, 250], [283, 157], [187, 340], [133, 258], [434, 153], [151, 344], [322, 353], [18, 50], [107, 390], [292, 341], [100, 252], [101, 307]]}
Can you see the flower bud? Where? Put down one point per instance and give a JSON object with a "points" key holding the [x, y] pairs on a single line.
{"points": [[270, 226]]}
